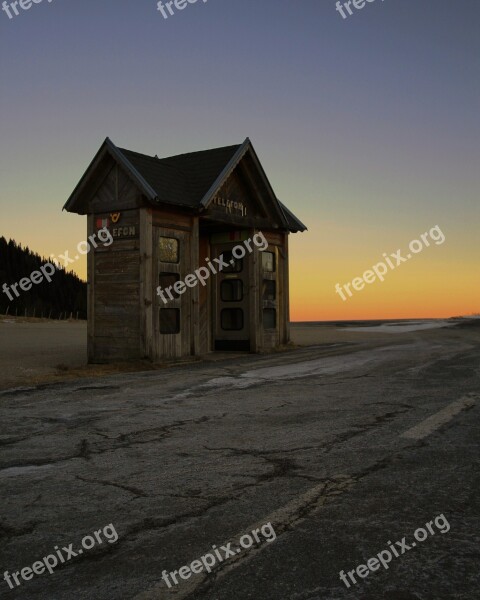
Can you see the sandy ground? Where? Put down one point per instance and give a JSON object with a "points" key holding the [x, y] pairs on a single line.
{"points": [[34, 351]]}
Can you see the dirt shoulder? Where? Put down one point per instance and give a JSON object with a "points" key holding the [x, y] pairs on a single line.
{"points": [[36, 351]]}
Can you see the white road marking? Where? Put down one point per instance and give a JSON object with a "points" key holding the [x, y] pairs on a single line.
{"points": [[443, 416], [287, 516]]}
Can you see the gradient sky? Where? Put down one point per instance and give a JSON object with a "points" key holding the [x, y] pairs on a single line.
{"points": [[368, 128]]}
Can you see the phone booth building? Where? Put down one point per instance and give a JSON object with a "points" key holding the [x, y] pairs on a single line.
{"points": [[197, 259]]}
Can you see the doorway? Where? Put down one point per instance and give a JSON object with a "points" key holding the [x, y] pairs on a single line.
{"points": [[231, 301]]}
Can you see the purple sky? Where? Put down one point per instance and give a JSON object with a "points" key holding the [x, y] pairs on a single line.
{"points": [[368, 127]]}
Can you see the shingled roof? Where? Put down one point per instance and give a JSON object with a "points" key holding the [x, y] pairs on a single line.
{"points": [[182, 180], [186, 180]]}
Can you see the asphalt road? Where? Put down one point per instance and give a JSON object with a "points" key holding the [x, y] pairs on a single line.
{"points": [[344, 449]]}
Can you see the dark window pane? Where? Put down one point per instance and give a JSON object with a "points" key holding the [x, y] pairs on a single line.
{"points": [[169, 320], [168, 280], [235, 265], [168, 250], [269, 289], [231, 290], [269, 318], [232, 319], [268, 261]]}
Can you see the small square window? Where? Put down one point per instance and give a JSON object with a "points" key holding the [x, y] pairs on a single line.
{"points": [[168, 250], [269, 289], [269, 318], [169, 320], [231, 290], [232, 319], [168, 280], [235, 265], [268, 262]]}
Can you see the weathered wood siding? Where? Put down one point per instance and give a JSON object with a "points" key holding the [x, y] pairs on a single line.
{"points": [[115, 192], [147, 290], [271, 338], [205, 301], [116, 293], [183, 228]]}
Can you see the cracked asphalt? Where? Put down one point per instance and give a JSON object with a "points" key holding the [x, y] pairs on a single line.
{"points": [[195, 455]]}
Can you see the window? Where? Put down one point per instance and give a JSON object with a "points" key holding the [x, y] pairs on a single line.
{"points": [[169, 320], [232, 319], [168, 280], [231, 290], [269, 289], [268, 261], [168, 250], [235, 265], [269, 318]]}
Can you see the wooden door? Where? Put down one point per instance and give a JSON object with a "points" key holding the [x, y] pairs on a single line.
{"points": [[231, 301]]}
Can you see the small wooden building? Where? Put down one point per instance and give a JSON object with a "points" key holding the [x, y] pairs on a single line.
{"points": [[168, 218]]}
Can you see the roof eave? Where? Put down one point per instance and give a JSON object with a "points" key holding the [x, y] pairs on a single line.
{"points": [[301, 227]]}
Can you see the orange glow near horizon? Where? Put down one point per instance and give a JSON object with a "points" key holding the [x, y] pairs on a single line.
{"points": [[367, 129], [414, 289], [439, 282]]}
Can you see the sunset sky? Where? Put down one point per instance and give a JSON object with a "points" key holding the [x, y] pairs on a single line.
{"points": [[368, 128]]}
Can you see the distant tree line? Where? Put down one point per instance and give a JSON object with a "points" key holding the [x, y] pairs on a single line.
{"points": [[65, 295]]}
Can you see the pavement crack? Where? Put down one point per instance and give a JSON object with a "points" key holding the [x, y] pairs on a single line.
{"points": [[360, 429], [84, 450], [133, 490], [8, 532], [13, 440]]}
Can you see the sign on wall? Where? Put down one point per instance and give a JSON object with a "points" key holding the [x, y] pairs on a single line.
{"points": [[120, 225]]}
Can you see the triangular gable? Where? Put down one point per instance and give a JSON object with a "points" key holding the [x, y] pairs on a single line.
{"points": [[97, 170], [245, 167]]}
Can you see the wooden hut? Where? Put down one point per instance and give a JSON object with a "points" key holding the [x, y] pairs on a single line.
{"points": [[168, 218]]}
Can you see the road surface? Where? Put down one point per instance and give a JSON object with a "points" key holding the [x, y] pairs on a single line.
{"points": [[332, 454]]}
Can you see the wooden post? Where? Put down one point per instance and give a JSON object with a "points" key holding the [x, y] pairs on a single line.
{"points": [[255, 304], [146, 282], [90, 292], [286, 293], [195, 293]]}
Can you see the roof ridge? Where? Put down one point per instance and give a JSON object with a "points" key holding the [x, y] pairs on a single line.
{"points": [[196, 152]]}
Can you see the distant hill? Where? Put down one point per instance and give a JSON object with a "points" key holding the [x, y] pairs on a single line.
{"points": [[65, 294]]}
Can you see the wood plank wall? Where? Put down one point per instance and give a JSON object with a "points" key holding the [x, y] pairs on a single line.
{"points": [[184, 228], [115, 297]]}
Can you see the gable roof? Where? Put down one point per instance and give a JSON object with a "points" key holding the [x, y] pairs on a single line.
{"points": [[186, 180]]}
